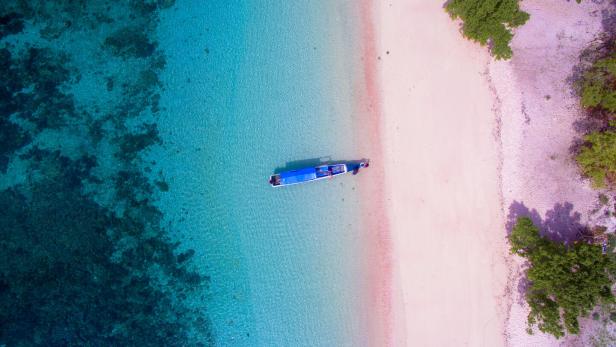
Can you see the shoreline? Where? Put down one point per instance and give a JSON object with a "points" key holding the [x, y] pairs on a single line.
{"points": [[374, 215]]}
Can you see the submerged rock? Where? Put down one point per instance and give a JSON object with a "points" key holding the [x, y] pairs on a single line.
{"points": [[130, 42], [10, 24]]}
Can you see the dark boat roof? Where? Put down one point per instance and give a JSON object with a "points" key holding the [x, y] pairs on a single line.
{"points": [[297, 176]]}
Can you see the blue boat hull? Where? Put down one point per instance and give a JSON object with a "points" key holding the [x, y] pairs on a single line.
{"points": [[311, 174]]}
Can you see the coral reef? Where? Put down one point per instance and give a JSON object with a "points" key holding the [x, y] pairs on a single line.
{"points": [[130, 43], [84, 259], [10, 24], [73, 272]]}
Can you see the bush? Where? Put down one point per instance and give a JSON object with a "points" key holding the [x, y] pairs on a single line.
{"points": [[489, 22], [564, 282], [599, 84], [597, 158], [603, 199]]}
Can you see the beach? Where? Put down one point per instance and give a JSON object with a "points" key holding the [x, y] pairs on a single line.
{"points": [[138, 139], [441, 150], [470, 143]]}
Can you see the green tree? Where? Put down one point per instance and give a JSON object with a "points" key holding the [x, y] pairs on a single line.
{"points": [[597, 158], [564, 282], [599, 84], [489, 22]]}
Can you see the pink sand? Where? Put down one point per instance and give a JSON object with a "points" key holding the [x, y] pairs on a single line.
{"points": [[447, 129], [378, 246], [441, 166]]}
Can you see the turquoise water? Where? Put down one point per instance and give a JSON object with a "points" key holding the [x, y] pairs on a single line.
{"points": [[248, 87], [136, 140]]}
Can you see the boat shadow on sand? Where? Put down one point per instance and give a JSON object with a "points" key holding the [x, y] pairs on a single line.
{"points": [[314, 162]]}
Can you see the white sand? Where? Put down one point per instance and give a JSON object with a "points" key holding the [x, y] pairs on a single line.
{"points": [[441, 149]]}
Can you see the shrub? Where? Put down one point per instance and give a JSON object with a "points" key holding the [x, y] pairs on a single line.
{"points": [[564, 282], [603, 199], [597, 158], [489, 22], [599, 84]]}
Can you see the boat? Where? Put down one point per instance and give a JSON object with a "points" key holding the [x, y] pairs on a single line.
{"points": [[316, 173]]}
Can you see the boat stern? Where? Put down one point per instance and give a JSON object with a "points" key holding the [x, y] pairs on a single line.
{"points": [[274, 180]]}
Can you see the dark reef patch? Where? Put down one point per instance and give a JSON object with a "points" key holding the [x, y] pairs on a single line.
{"points": [[162, 185], [30, 87], [10, 24], [148, 7], [84, 259], [133, 144], [72, 272], [12, 137], [130, 42]]}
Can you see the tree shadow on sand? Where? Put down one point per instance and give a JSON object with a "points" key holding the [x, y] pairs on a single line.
{"points": [[561, 223], [599, 47]]}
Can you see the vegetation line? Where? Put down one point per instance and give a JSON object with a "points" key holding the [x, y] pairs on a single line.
{"points": [[564, 282], [597, 157], [489, 22]]}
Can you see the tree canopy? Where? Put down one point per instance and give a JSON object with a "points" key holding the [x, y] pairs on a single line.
{"points": [[597, 158], [599, 84], [565, 282], [489, 22]]}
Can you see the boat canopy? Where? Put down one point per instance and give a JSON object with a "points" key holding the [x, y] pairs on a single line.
{"points": [[298, 176]]}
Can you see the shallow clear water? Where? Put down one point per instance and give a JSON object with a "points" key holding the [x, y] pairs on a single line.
{"points": [[249, 87]]}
